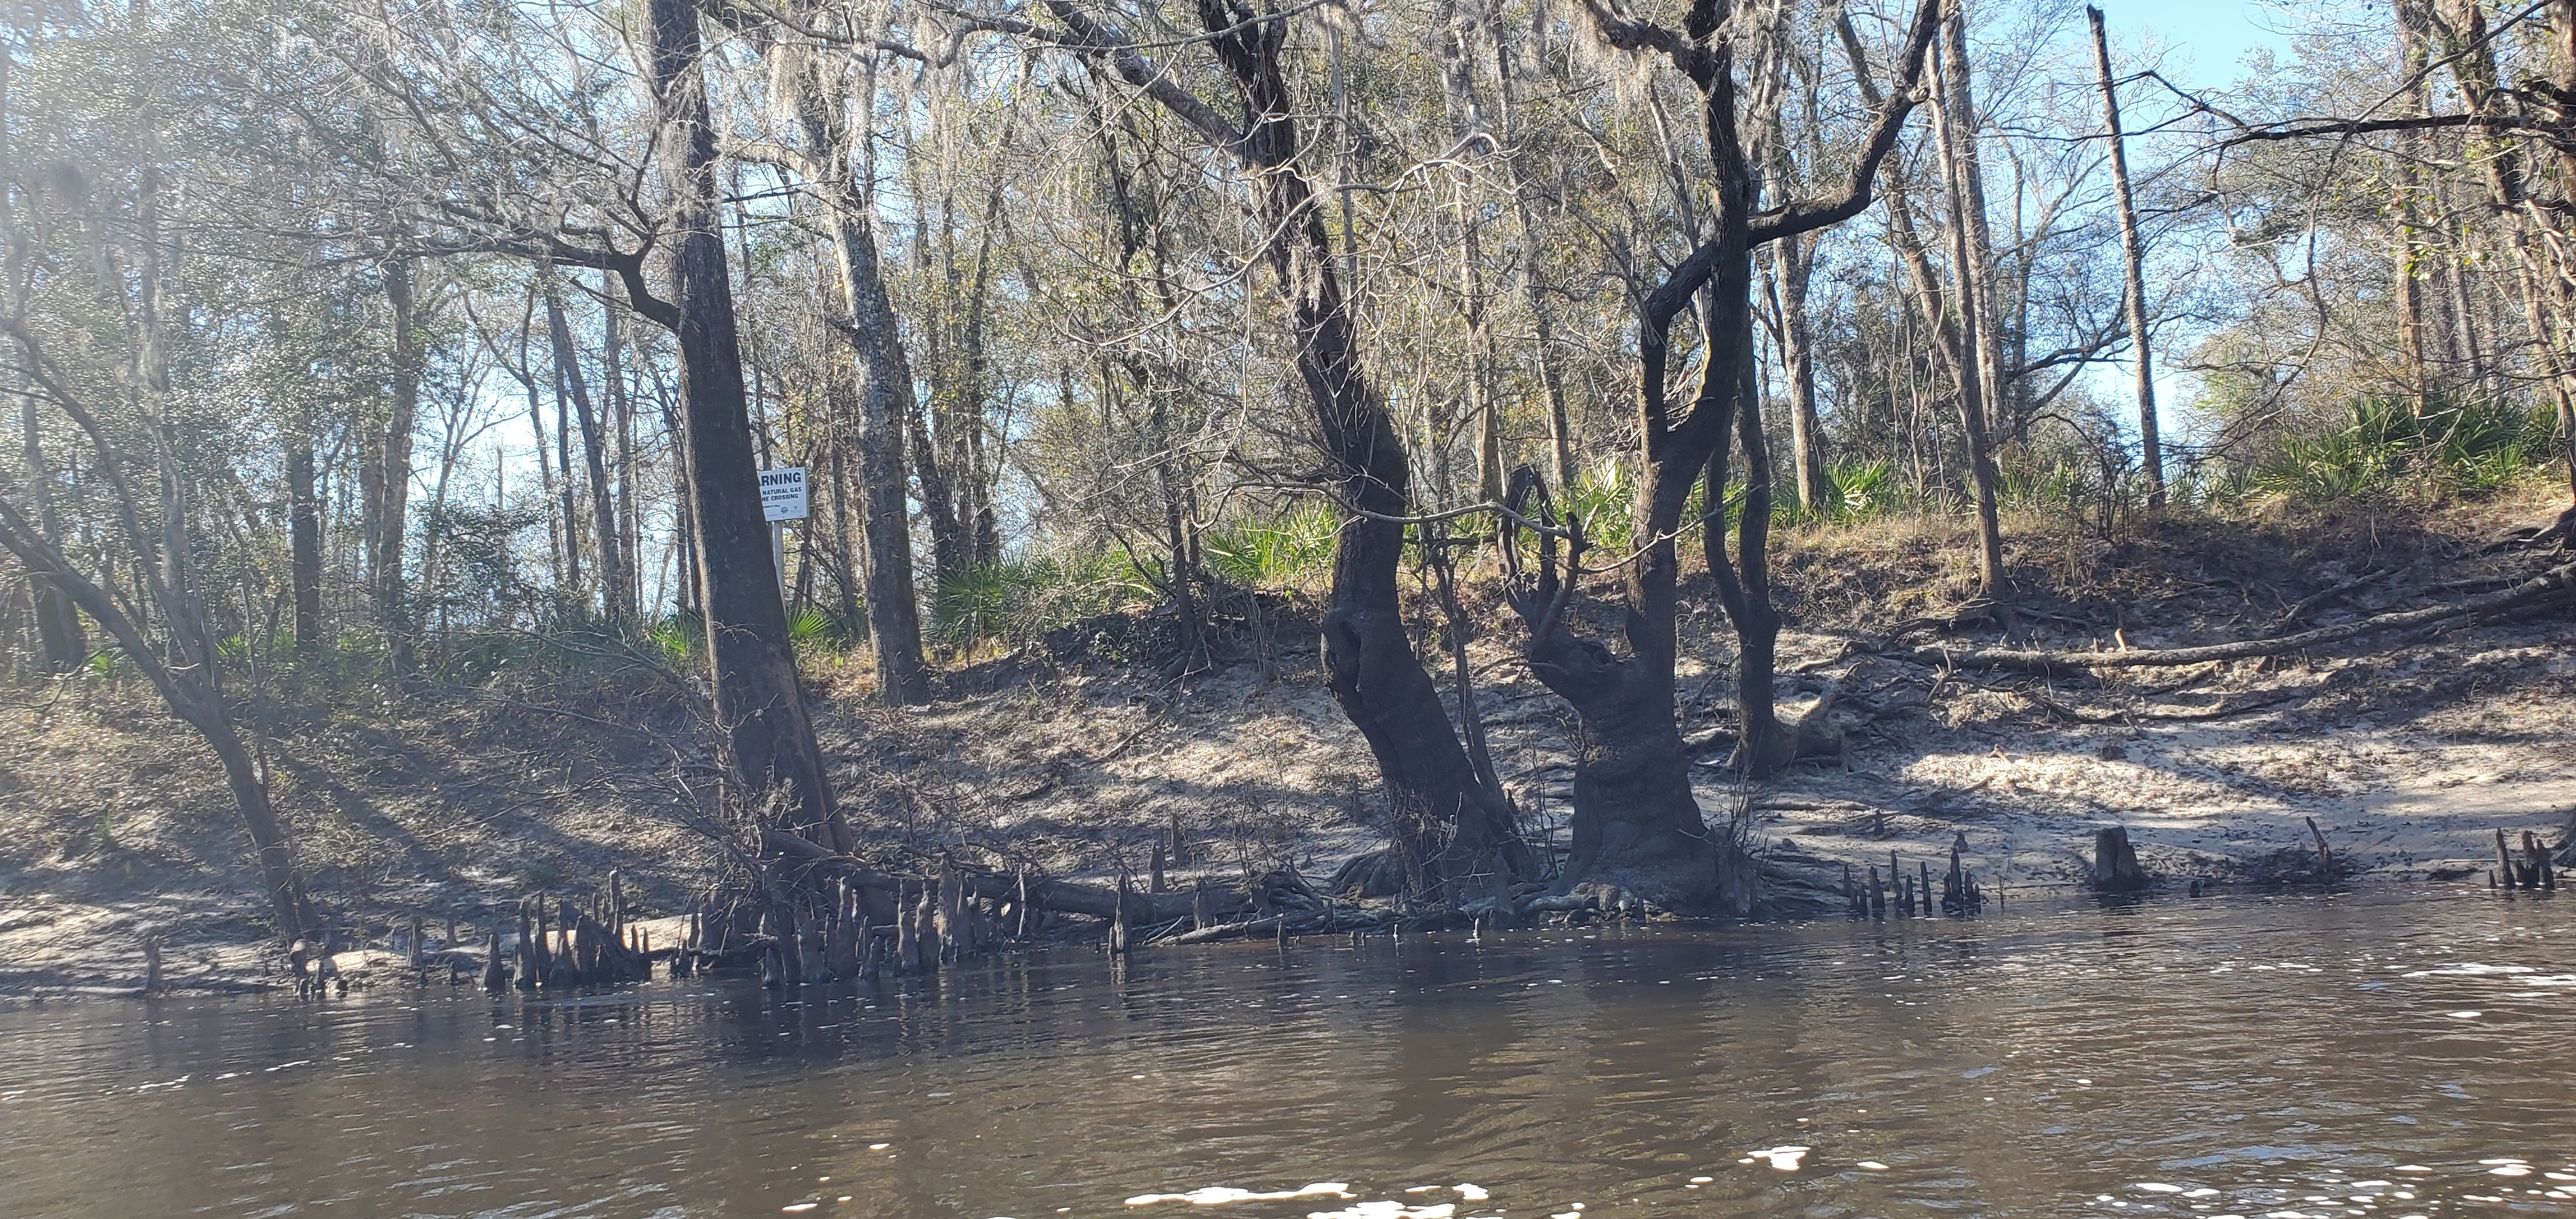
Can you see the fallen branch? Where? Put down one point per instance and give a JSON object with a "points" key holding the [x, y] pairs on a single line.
{"points": [[2541, 591], [2318, 600], [2221, 711]]}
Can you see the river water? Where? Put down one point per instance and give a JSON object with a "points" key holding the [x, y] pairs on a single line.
{"points": [[2393, 1053]]}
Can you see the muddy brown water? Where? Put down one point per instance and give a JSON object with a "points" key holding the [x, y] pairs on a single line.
{"points": [[2389, 1054]]}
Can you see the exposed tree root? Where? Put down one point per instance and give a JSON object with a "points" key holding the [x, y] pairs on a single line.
{"points": [[2560, 529]]}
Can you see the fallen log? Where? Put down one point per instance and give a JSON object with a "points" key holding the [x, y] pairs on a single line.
{"points": [[1065, 896], [2545, 590]]}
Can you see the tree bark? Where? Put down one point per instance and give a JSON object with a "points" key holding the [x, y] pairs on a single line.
{"points": [[885, 400], [759, 703], [603, 507], [2133, 262], [61, 641], [1966, 198], [1641, 829], [1797, 265], [385, 468], [303, 540], [1446, 820]]}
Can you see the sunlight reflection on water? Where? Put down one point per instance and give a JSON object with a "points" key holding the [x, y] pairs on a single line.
{"points": [[2141, 1060]]}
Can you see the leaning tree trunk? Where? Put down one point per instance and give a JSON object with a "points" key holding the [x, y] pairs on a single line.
{"points": [[759, 703], [59, 637], [2133, 269], [1447, 820], [190, 687], [594, 451]]}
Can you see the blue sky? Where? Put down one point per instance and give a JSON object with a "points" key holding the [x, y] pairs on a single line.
{"points": [[2209, 38]]}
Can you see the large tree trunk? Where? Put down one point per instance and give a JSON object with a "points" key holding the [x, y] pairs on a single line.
{"points": [[885, 399], [1642, 831], [385, 474], [759, 703], [1448, 822], [1637, 827], [603, 507]]}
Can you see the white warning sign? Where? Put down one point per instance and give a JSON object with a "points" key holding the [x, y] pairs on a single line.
{"points": [[782, 495]]}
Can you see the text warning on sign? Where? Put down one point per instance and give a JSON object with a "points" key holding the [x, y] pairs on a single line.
{"points": [[782, 494]]}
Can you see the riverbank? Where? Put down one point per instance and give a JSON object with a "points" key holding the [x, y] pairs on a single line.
{"points": [[2407, 750]]}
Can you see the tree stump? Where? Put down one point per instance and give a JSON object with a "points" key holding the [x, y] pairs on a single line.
{"points": [[1118, 920], [2536, 863], [2115, 862]]}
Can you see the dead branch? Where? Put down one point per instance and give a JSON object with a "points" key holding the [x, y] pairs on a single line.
{"points": [[2540, 593]]}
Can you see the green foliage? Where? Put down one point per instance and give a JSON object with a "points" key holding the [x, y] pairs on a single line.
{"points": [[1013, 602], [2471, 446], [1855, 491], [674, 637], [1863, 489], [811, 628], [481, 573], [1286, 551], [2047, 483], [1604, 498], [243, 646]]}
